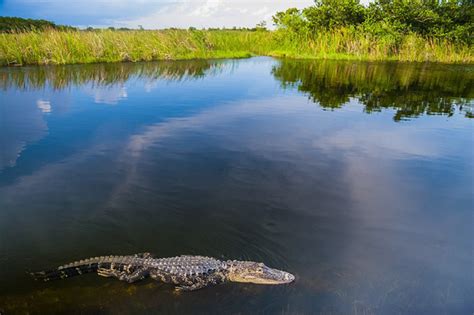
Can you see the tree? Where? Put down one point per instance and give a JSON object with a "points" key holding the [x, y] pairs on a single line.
{"points": [[16, 24], [391, 19], [291, 19], [330, 14], [262, 26]]}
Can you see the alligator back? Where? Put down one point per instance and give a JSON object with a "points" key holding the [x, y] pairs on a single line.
{"points": [[173, 269]]}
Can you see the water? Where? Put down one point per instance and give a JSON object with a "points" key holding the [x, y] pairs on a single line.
{"points": [[356, 177]]}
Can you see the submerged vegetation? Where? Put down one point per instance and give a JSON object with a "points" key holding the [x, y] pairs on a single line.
{"points": [[418, 30]]}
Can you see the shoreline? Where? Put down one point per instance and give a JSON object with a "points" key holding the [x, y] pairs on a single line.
{"points": [[230, 57], [83, 47]]}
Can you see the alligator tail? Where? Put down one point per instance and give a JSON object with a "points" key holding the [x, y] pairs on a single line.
{"points": [[87, 266], [64, 272]]}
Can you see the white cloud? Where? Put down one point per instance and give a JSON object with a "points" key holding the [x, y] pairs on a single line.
{"points": [[109, 95], [44, 106], [152, 13], [212, 13]]}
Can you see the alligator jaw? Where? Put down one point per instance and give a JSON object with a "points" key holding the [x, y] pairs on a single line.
{"points": [[258, 273], [283, 278]]}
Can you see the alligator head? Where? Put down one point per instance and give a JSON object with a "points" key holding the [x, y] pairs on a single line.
{"points": [[253, 272]]}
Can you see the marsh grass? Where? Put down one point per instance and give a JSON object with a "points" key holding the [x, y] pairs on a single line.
{"points": [[66, 47], [345, 43], [62, 47]]}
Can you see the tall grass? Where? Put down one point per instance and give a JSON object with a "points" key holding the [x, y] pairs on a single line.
{"points": [[64, 47], [346, 43], [61, 47]]}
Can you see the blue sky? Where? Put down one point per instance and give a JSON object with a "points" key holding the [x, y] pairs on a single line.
{"points": [[150, 13]]}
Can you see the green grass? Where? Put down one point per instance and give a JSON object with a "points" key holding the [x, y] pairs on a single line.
{"points": [[349, 45], [67, 47]]}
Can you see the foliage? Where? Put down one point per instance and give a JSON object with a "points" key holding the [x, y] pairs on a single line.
{"points": [[452, 20], [15, 24], [291, 20], [386, 21], [330, 14]]}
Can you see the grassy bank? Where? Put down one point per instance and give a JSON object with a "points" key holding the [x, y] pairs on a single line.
{"points": [[65, 47], [347, 44]]}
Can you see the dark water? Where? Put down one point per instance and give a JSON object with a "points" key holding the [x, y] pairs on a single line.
{"points": [[356, 177]]}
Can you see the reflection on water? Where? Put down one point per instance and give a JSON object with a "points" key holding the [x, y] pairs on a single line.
{"points": [[61, 77], [109, 95], [104, 82], [411, 89], [373, 213], [21, 123]]}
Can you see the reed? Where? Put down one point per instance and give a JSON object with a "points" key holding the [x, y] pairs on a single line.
{"points": [[346, 43], [69, 46]]}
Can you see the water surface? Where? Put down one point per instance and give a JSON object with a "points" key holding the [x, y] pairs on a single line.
{"points": [[357, 177]]}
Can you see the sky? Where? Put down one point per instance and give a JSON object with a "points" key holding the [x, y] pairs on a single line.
{"points": [[151, 14]]}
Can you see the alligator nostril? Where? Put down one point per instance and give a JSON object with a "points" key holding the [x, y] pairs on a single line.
{"points": [[289, 277]]}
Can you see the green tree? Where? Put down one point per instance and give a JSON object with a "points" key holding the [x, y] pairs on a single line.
{"points": [[391, 19], [16, 24], [291, 20], [262, 26], [330, 14]]}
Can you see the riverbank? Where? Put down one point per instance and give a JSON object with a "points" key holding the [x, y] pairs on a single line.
{"points": [[72, 47]]}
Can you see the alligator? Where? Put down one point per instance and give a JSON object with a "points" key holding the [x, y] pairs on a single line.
{"points": [[187, 273]]}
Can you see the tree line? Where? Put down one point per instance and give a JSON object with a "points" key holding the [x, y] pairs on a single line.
{"points": [[445, 19], [16, 24]]}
